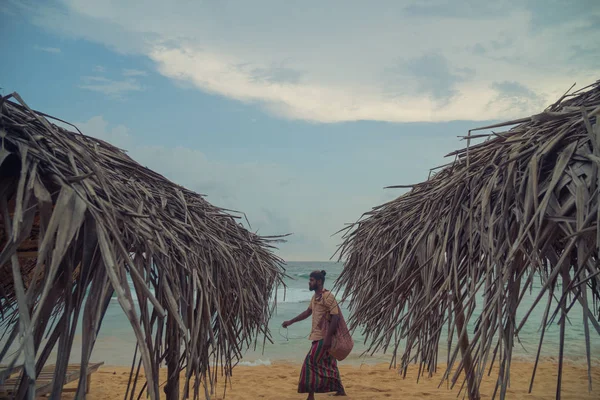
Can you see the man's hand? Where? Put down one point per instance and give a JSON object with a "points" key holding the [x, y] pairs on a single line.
{"points": [[299, 318]]}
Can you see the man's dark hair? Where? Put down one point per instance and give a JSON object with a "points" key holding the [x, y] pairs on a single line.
{"points": [[319, 275]]}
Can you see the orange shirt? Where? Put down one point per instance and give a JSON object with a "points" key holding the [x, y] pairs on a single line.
{"points": [[325, 306]]}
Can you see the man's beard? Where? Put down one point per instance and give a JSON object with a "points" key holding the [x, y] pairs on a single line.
{"points": [[312, 288]]}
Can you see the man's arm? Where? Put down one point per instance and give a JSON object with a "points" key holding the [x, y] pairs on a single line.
{"points": [[300, 317], [333, 326], [333, 307]]}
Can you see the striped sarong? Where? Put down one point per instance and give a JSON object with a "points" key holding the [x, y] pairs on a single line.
{"points": [[320, 372]]}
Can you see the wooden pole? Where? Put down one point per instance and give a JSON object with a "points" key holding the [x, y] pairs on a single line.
{"points": [[463, 343], [172, 386]]}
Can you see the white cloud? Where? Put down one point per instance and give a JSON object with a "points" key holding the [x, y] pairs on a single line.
{"points": [[53, 50], [99, 128], [328, 103], [134, 72], [345, 61], [112, 88]]}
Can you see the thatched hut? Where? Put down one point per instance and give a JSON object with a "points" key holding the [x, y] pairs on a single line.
{"points": [[80, 218], [521, 206]]}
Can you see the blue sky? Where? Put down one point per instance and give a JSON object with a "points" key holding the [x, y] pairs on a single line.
{"points": [[297, 114]]}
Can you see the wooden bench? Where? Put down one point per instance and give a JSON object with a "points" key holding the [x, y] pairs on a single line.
{"points": [[43, 383]]}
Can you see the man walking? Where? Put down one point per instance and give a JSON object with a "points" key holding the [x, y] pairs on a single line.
{"points": [[320, 373]]}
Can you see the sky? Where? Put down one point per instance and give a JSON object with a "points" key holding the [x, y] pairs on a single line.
{"points": [[296, 113]]}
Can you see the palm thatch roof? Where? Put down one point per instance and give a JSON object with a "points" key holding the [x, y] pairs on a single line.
{"points": [[518, 208], [79, 217]]}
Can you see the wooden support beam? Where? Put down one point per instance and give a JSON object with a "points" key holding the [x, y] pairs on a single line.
{"points": [[463, 343]]}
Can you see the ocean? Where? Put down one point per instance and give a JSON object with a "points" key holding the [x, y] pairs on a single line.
{"points": [[116, 343], [293, 344]]}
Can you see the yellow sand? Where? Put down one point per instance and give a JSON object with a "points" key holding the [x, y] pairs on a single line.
{"points": [[368, 382]]}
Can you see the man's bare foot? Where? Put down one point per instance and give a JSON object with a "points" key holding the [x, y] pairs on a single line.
{"points": [[342, 393]]}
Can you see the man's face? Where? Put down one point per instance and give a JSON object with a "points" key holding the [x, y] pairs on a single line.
{"points": [[313, 284]]}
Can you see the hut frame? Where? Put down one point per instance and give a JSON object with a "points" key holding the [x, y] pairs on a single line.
{"points": [[522, 205], [78, 218]]}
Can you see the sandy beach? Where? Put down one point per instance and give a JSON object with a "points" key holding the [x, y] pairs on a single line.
{"points": [[279, 382]]}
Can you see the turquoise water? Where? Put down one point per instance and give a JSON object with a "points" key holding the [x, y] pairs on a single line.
{"points": [[116, 343], [298, 297]]}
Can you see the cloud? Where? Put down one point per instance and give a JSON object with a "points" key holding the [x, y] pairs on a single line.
{"points": [[479, 49], [134, 72], [585, 54], [454, 9], [115, 89], [507, 88], [100, 69], [514, 95], [557, 13], [275, 74], [492, 47], [7, 9], [432, 75], [99, 128], [447, 54], [53, 50]]}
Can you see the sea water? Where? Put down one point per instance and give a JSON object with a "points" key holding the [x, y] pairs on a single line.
{"points": [[292, 344], [115, 344]]}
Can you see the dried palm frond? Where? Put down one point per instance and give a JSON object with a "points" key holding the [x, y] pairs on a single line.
{"points": [[78, 218], [521, 206]]}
